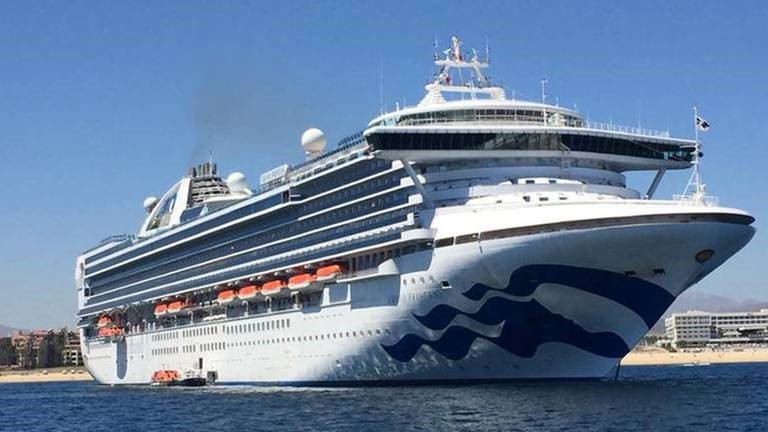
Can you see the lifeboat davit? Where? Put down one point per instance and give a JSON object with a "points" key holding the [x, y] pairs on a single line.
{"points": [[248, 292], [329, 272], [105, 321], [227, 296], [272, 287], [301, 281], [161, 309]]}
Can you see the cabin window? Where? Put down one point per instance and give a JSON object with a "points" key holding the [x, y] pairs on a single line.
{"points": [[467, 238], [444, 242]]}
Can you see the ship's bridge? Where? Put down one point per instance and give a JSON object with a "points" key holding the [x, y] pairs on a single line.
{"points": [[481, 112], [472, 119]]}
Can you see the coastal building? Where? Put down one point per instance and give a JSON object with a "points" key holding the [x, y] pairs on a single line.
{"points": [[27, 345], [46, 348], [696, 328], [71, 354]]}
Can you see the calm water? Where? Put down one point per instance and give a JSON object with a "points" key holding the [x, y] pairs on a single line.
{"points": [[717, 397]]}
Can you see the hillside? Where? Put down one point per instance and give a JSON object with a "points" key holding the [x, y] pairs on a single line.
{"points": [[5, 331]]}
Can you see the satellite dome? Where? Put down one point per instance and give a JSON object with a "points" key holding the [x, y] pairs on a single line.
{"points": [[313, 141], [150, 203], [237, 183]]}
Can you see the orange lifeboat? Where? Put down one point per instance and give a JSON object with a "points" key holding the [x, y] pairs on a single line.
{"points": [[329, 272], [272, 287], [104, 321], [177, 306], [248, 292], [161, 309], [301, 281], [165, 378], [227, 296], [110, 331]]}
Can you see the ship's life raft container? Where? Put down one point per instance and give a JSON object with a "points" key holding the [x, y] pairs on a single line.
{"points": [[329, 272], [248, 292], [227, 296], [301, 281]]}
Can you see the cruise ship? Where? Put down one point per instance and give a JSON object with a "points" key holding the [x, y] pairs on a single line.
{"points": [[472, 237]]}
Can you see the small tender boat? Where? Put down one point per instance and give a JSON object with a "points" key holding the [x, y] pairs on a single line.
{"points": [[168, 378], [227, 296], [164, 378], [301, 281], [273, 287], [161, 309], [248, 292], [193, 378], [329, 272]]}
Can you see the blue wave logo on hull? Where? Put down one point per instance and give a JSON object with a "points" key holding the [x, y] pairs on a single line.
{"points": [[528, 324]]}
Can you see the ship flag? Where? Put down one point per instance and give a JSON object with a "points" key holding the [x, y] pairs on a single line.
{"points": [[702, 124]]}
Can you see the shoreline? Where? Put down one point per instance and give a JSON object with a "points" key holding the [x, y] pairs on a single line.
{"points": [[647, 356], [643, 356], [57, 374]]}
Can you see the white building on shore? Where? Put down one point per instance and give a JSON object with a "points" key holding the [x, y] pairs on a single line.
{"points": [[695, 328]]}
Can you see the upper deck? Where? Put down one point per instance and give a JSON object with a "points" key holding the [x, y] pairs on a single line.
{"points": [[474, 119]]}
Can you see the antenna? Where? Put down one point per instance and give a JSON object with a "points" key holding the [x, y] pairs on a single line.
{"points": [[544, 100], [381, 87], [487, 51]]}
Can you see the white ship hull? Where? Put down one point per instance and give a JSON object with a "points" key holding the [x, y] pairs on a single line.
{"points": [[563, 304]]}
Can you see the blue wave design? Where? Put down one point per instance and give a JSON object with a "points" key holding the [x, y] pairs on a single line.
{"points": [[646, 299], [527, 325]]}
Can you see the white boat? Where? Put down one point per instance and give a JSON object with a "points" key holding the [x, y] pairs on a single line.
{"points": [[478, 238]]}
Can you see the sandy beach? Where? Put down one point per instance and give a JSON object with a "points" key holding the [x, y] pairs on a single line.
{"points": [[641, 356], [650, 356], [48, 375]]}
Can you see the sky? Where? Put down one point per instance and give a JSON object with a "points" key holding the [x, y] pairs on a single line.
{"points": [[105, 103]]}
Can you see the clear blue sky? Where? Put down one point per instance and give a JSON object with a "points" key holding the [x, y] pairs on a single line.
{"points": [[105, 103]]}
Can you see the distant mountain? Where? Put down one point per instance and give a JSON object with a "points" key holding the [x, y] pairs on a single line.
{"points": [[692, 300], [6, 331]]}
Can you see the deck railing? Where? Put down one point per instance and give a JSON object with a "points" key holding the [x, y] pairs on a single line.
{"points": [[704, 200], [610, 127]]}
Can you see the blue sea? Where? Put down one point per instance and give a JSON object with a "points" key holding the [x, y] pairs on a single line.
{"points": [[717, 398]]}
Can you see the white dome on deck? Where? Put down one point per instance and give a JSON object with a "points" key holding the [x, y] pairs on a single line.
{"points": [[313, 140]]}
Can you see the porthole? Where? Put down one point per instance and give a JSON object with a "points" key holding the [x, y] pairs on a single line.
{"points": [[704, 255]]}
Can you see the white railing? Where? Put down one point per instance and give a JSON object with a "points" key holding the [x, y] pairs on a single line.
{"points": [[610, 127], [701, 200], [522, 120]]}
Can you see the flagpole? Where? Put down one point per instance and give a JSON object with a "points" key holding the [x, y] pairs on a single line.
{"points": [[695, 181]]}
